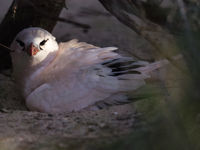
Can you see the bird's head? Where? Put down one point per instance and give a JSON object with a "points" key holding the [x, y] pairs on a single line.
{"points": [[34, 44]]}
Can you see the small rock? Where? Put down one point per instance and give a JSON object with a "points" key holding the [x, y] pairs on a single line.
{"points": [[50, 115], [102, 125], [91, 128], [115, 113], [65, 119], [123, 117]]}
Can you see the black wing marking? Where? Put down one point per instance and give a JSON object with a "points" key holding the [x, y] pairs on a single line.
{"points": [[122, 66]]}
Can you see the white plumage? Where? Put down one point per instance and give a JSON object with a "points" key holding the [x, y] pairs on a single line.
{"points": [[72, 75]]}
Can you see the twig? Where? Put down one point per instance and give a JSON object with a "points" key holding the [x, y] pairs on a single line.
{"points": [[78, 24], [10, 50]]}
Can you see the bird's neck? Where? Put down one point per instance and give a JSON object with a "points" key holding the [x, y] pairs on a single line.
{"points": [[38, 67], [30, 70]]}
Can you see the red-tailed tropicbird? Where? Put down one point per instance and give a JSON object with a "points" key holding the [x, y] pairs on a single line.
{"points": [[72, 75]]}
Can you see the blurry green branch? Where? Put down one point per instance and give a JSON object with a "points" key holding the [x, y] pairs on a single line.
{"points": [[172, 121]]}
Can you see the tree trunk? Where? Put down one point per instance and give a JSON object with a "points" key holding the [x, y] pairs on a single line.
{"points": [[23, 14]]}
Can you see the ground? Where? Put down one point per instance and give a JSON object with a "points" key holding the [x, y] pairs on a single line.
{"points": [[23, 129]]}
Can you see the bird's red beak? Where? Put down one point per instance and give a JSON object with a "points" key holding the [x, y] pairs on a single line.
{"points": [[32, 50]]}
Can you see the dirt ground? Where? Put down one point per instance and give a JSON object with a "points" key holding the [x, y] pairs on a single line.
{"points": [[21, 129]]}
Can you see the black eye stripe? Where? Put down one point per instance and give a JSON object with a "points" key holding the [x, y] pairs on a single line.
{"points": [[43, 42], [20, 43]]}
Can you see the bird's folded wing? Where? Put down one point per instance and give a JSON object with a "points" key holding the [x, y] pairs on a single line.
{"points": [[85, 74]]}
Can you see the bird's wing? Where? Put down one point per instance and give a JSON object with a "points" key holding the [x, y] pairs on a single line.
{"points": [[85, 74]]}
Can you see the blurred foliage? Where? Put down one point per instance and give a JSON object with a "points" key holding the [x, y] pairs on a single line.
{"points": [[171, 121]]}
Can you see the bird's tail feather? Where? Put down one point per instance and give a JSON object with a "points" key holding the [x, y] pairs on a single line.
{"points": [[156, 65], [153, 66], [128, 74]]}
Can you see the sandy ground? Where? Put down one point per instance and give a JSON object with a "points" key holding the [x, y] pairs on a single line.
{"points": [[21, 129]]}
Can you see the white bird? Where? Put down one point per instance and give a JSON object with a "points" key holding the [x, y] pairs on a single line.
{"points": [[73, 75]]}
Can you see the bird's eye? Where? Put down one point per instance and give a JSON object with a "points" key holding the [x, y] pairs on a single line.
{"points": [[43, 42], [20, 43]]}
